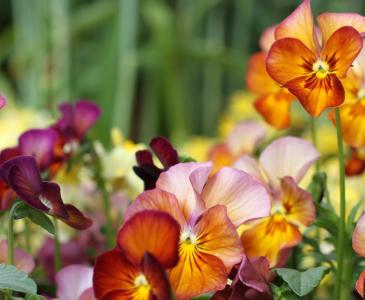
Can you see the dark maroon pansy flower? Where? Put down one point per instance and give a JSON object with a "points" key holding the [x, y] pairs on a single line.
{"points": [[22, 175], [40, 144], [77, 119], [146, 168]]}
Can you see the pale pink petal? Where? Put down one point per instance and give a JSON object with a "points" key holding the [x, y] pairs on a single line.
{"points": [[287, 156], [358, 237], [245, 137], [88, 294], [177, 181], [245, 197], [22, 260], [249, 165], [156, 199], [267, 38], [72, 281], [330, 22], [299, 25]]}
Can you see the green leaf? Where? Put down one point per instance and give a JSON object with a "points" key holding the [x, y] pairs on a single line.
{"points": [[283, 292], [33, 297], [302, 283], [186, 159], [318, 186], [42, 220], [21, 211], [13, 279]]}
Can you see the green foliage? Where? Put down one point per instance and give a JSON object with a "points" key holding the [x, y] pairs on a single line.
{"points": [[13, 279], [302, 283]]}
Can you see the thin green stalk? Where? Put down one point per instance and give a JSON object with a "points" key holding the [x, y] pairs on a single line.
{"points": [[27, 235], [57, 247], [340, 285], [107, 214], [314, 139], [11, 237]]}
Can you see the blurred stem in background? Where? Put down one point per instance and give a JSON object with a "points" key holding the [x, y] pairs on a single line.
{"points": [[59, 68], [126, 64]]}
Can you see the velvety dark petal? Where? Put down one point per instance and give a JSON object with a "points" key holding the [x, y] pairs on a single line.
{"points": [[40, 144], [22, 175], [51, 197], [9, 153], [86, 113], [156, 277], [149, 174], [7, 196], [144, 157], [164, 151], [66, 121], [76, 219]]}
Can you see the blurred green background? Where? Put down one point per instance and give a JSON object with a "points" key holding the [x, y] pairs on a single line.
{"points": [[154, 66]]}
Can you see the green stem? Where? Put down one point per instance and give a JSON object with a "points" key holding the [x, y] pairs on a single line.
{"points": [[107, 214], [339, 284], [27, 235], [314, 139], [11, 237], [57, 247]]}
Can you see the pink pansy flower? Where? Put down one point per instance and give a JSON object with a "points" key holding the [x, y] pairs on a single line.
{"points": [[74, 282], [22, 260], [281, 167], [208, 210]]}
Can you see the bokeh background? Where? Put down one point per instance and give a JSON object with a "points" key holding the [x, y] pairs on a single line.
{"points": [[154, 66]]}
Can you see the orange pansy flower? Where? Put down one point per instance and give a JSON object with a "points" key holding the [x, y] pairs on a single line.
{"points": [[311, 70]]}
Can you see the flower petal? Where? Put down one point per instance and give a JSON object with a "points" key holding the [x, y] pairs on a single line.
{"points": [[268, 237], [297, 202], [76, 219], [287, 156], [72, 281], [245, 137], [164, 151], [177, 181], [267, 38], [244, 197], [216, 235], [299, 25], [258, 80], [358, 237], [86, 114], [3, 101], [288, 59], [360, 284], [196, 274], [355, 165], [39, 143], [316, 94], [156, 199], [330, 22], [341, 49], [114, 272], [275, 108], [22, 174], [151, 231], [51, 197]]}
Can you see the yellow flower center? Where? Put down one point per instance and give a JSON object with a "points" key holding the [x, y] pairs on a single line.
{"points": [[188, 241], [142, 287], [321, 68]]}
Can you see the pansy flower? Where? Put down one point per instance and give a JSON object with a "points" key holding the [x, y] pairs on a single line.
{"points": [[146, 168], [273, 102], [243, 139], [208, 209], [311, 69], [147, 244], [358, 244], [22, 175], [281, 167]]}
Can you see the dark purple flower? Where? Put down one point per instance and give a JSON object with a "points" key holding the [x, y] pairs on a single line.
{"points": [[146, 168], [22, 175], [77, 119], [39, 143]]}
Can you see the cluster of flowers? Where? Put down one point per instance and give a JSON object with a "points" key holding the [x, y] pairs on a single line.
{"points": [[220, 229]]}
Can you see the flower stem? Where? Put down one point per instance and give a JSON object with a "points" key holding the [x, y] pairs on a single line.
{"points": [[314, 139], [339, 284], [107, 215], [57, 247], [11, 237]]}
